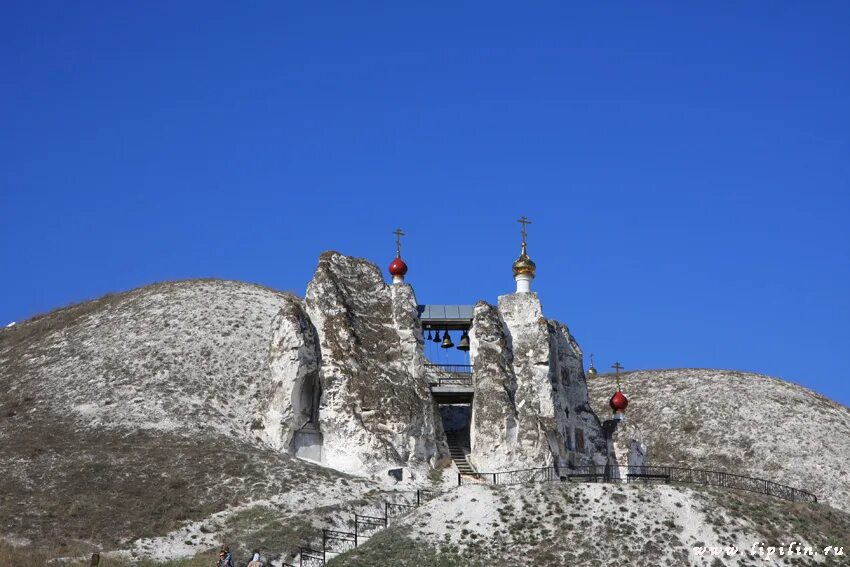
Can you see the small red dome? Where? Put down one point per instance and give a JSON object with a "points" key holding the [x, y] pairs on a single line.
{"points": [[619, 402], [398, 267]]}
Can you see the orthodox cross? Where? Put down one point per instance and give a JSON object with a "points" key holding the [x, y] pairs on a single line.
{"points": [[524, 221], [591, 359], [398, 234], [617, 367]]}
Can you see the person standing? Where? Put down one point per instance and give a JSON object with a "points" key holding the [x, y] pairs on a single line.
{"points": [[255, 559]]}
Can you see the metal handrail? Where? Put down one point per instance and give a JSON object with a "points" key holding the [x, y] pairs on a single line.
{"points": [[459, 381], [452, 368], [609, 473], [314, 557]]}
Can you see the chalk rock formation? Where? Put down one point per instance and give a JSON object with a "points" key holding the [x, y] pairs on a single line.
{"points": [[292, 397], [350, 364], [625, 446], [531, 405]]}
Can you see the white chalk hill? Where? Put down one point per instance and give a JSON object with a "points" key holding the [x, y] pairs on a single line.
{"points": [[135, 415], [741, 423]]}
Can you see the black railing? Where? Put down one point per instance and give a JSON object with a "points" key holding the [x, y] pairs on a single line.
{"points": [[367, 526], [608, 473], [452, 368], [311, 557], [338, 542], [523, 476], [423, 496], [393, 510], [451, 381], [449, 374]]}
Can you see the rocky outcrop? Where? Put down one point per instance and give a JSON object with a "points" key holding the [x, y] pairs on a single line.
{"points": [[493, 431], [375, 409], [292, 397], [530, 406], [582, 435], [625, 447]]}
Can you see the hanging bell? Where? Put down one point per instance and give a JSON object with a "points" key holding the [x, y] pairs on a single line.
{"points": [[436, 338], [464, 342], [430, 338], [447, 341]]}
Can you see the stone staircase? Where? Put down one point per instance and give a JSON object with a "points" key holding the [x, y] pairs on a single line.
{"points": [[457, 451]]}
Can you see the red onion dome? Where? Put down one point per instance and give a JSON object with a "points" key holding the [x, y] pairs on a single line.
{"points": [[619, 402], [398, 267]]}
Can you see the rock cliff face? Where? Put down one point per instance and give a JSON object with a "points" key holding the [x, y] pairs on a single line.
{"points": [[292, 397], [530, 406], [350, 363]]}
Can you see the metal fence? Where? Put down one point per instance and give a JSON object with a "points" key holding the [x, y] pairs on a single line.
{"points": [[393, 510], [666, 474], [449, 374], [311, 557], [423, 496], [338, 542], [522, 476], [367, 526], [451, 368]]}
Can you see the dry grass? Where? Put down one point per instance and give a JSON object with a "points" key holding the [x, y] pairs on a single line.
{"points": [[27, 556], [107, 486]]}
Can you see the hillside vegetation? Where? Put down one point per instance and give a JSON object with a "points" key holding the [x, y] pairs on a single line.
{"points": [[556, 524], [127, 417]]}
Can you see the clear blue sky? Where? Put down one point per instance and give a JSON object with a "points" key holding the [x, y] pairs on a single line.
{"points": [[685, 164]]}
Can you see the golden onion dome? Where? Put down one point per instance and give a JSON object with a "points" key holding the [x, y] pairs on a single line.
{"points": [[524, 264], [591, 372]]}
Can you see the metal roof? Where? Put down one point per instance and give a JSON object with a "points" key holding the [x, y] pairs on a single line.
{"points": [[446, 317], [451, 312]]}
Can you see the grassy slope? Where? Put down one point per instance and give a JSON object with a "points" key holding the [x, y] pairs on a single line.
{"points": [[130, 415]]}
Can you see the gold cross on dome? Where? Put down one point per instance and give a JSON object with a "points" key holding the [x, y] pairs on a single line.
{"points": [[523, 220], [398, 234]]}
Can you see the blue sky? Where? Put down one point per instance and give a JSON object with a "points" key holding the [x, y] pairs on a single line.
{"points": [[685, 165]]}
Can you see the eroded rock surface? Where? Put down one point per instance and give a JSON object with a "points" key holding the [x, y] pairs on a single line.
{"points": [[375, 409], [292, 397], [531, 405]]}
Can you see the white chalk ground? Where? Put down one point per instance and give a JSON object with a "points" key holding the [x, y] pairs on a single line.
{"points": [[663, 522]]}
